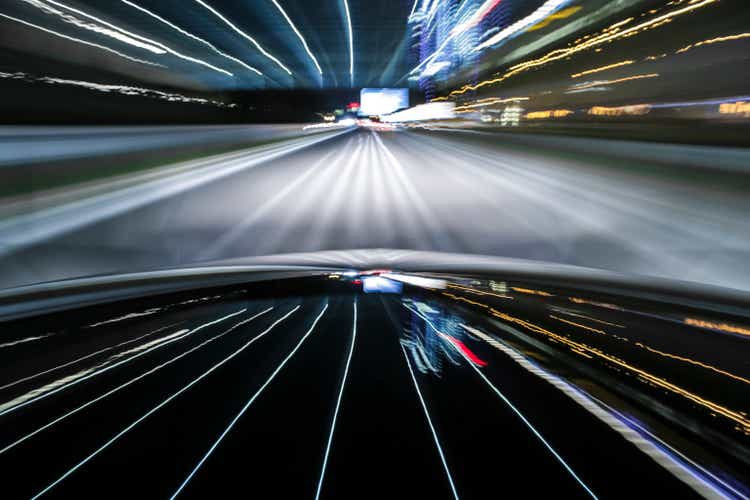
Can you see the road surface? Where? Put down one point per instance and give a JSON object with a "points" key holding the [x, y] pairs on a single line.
{"points": [[454, 192]]}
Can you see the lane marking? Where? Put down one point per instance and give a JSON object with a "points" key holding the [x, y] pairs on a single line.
{"points": [[175, 337], [429, 421], [247, 405], [126, 384], [338, 405], [514, 409], [160, 405]]}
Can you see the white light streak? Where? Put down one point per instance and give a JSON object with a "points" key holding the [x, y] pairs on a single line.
{"points": [[477, 16], [299, 35], [413, 8], [511, 406], [173, 338], [338, 405], [129, 382], [243, 34], [432, 427], [159, 406], [87, 356], [118, 89], [190, 35], [120, 36], [143, 38], [125, 317], [351, 41], [23, 341], [247, 405], [545, 10], [429, 283], [78, 40]]}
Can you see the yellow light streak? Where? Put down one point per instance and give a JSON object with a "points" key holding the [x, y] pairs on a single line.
{"points": [[585, 44], [464, 299], [724, 327], [602, 68], [479, 292], [531, 291], [578, 325], [550, 113], [491, 101], [742, 422], [694, 362], [635, 109], [563, 14]]}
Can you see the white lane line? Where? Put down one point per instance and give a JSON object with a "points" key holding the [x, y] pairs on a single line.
{"points": [[338, 405], [160, 405], [513, 408], [129, 382], [77, 360], [247, 405], [432, 427], [176, 337]]}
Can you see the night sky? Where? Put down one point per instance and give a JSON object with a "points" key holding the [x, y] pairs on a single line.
{"points": [[212, 47]]}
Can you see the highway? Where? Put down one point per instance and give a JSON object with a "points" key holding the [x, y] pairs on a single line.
{"points": [[451, 191], [319, 396]]}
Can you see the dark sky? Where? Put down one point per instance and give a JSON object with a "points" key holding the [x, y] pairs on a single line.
{"points": [[379, 28]]}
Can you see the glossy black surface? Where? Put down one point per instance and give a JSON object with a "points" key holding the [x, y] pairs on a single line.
{"points": [[297, 386]]}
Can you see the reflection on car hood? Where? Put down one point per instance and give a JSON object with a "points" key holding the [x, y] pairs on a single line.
{"points": [[321, 373]]}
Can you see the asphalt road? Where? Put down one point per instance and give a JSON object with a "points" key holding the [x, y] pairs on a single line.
{"points": [[453, 192], [295, 398], [35, 144]]}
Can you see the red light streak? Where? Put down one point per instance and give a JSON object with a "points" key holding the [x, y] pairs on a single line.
{"points": [[462, 347]]}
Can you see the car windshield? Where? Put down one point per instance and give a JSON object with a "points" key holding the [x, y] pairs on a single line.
{"points": [[576, 173]]}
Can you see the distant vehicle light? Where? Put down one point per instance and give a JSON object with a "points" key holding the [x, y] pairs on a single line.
{"points": [[378, 284]]}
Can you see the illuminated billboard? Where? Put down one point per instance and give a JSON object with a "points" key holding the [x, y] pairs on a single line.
{"points": [[377, 102]]}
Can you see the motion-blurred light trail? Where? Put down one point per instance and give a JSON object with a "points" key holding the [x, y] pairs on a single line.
{"points": [[602, 68], [129, 382], [432, 426], [582, 44], [87, 374], [192, 36], [145, 39], [248, 404], [125, 90], [160, 405], [535, 17], [82, 358], [350, 39], [510, 405], [338, 404], [118, 34], [299, 35], [78, 40], [244, 35], [649, 444]]}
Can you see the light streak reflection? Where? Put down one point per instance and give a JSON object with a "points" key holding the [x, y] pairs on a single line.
{"points": [[156, 408], [248, 404]]}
